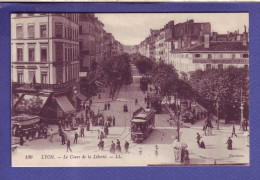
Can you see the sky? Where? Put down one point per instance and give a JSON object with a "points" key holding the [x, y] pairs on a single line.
{"points": [[132, 28]]}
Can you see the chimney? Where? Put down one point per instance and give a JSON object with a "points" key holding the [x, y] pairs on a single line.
{"points": [[244, 40], [206, 41], [238, 37]]}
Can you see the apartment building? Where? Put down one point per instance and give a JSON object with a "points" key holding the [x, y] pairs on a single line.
{"points": [[189, 46], [45, 57]]}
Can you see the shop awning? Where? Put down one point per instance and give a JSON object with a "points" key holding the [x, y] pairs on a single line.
{"points": [[81, 97], [28, 103], [65, 104], [25, 119]]}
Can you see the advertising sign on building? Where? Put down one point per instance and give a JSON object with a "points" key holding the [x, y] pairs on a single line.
{"points": [[82, 74]]}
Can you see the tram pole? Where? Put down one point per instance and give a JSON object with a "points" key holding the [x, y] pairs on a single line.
{"points": [[178, 119]]}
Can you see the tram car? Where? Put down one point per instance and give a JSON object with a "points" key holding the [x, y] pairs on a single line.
{"points": [[22, 123], [142, 124]]}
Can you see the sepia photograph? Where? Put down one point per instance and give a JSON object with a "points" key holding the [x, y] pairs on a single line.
{"points": [[129, 89]]}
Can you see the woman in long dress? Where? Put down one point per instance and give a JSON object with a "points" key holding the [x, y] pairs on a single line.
{"points": [[186, 159]]}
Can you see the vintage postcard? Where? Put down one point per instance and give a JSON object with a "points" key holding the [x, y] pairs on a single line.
{"points": [[129, 89]]}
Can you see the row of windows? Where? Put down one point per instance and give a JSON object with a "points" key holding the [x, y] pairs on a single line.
{"points": [[71, 72], [88, 29], [31, 53], [184, 67], [31, 77], [218, 66], [71, 16], [31, 31], [70, 33], [209, 56], [71, 52]]}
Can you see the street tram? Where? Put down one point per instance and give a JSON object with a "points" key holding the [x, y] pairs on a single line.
{"points": [[142, 124], [23, 123]]}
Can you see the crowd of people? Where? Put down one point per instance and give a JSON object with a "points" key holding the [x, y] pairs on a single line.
{"points": [[36, 132]]}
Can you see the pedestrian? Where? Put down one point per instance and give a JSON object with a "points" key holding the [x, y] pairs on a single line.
{"points": [[105, 106], [78, 120], [198, 115], [202, 145], [90, 102], [45, 133], [82, 118], [109, 119], [98, 133], [201, 115], [136, 101], [118, 147], [99, 96], [101, 145], [26, 135], [198, 139], [140, 151], [229, 143], [246, 125], [86, 110], [102, 136], [82, 132], [233, 131], [204, 129], [88, 125], [205, 114], [51, 136], [63, 139], [21, 138], [76, 137], [108, 106], [68, 145], [114, 121], [185, 154], [112, 148], [156, 150], [126, 147], [125, 108], [106, 130]]}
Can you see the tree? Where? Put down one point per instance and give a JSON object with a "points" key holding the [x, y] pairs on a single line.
{"points": [[117, 71], [144, 65], [31, 106], [223, 86], [165, 77]]}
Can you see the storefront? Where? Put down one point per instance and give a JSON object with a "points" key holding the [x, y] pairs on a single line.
{"points": [[65, 111], [81, 101]]}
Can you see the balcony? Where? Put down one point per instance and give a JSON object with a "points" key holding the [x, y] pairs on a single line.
{"points": [[221, 61], [40, 87]]}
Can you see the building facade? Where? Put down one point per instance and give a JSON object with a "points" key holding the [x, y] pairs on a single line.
{"points": [[189, 46], [96, 46], [45, 55]]}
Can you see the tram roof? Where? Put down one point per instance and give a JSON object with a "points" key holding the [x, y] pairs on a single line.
{"points": [[138, 120], [141, 115]]}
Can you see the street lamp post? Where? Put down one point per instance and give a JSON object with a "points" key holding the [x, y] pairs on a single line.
{"points": [[242, 109], [217, 106], [178, 119]]}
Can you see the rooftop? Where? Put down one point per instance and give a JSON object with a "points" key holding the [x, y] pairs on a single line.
{"points": [[221, 46]]}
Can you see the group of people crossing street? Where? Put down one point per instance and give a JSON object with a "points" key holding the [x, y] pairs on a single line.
{"points": [[116, 148]]}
